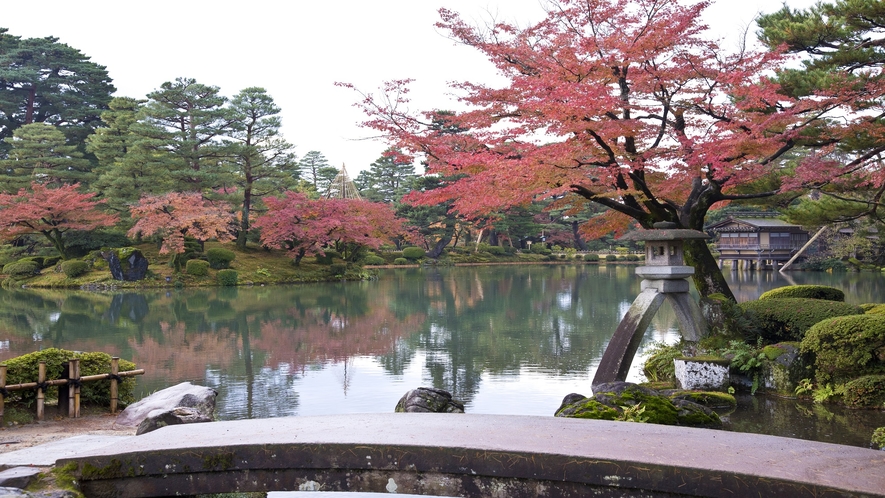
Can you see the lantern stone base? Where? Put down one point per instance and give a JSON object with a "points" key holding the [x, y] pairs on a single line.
{"points": [[666, 286]]}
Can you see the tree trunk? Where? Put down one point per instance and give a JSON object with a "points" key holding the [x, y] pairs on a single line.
{"points": [[708, 278], [439, 246], [244, 223], [493, 238], [298, 256], [579, 242]]}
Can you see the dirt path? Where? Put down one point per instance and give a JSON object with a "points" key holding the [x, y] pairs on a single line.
{"points": [[16, 437]]}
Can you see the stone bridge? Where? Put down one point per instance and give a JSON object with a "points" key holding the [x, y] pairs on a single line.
{"points": [[473, 456]]}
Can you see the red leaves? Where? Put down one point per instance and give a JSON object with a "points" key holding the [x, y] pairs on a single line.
{"points": [[175, 215], [46, 209], [302, 225]]}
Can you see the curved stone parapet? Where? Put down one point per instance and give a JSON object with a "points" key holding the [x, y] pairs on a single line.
{"points": [[473, 456]]}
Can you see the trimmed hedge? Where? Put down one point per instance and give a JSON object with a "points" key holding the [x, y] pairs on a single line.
{"points": [[21, 269], [197, 268], [591, 257], [400, 261], [847, 347], [219, 258], [805, 291], [413, 253], [878, 309], [778, 320], [24, 369], [73, 269], [227, 277], [374, 260], [865, 392], [611, 257]]}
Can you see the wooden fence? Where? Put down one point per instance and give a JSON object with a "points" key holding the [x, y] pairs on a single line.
{"points": [[73, 381]]}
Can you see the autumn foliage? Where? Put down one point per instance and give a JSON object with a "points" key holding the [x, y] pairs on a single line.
{"points": [[51, 212], [630, 104], [305, 226], [176, 215]]}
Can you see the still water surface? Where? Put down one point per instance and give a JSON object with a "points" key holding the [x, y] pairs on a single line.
{"points": [[504, 339]]}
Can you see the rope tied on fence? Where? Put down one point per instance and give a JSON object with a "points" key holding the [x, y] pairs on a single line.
{"points": [[75, 383], [42, 385], [115, 377], [4, 392]]}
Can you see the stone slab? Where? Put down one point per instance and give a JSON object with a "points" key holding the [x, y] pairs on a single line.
{"points": [[45, 455], [365, 450], [18, 477]]}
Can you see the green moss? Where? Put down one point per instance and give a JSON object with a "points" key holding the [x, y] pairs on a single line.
{"points": [[878, 309], [806, 292], [65, 479], [590, 409], [219, 461], [710, 399], [846, 348]]}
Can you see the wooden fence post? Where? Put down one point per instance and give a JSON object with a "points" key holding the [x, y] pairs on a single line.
{"points": [[115, 369], [2, 387], [41, 378], [74, 388]]}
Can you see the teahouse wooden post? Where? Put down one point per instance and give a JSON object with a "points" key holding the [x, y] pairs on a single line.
{"points": [[115, 369], [2, 387], [74, 388], [41, 378]]}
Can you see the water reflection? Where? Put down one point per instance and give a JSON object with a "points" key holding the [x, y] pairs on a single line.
{"points": [[506, 339]]}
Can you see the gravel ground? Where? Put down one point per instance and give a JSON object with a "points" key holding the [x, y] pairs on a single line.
{"points": [[16, 437]]}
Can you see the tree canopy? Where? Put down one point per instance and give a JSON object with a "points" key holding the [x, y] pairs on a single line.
{"points": [[629, 104]]}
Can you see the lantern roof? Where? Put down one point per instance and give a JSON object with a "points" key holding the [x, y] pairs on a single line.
{"points": [[665, 231]]}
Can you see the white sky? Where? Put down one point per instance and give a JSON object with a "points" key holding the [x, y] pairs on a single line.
{"points": [[296, 49]]}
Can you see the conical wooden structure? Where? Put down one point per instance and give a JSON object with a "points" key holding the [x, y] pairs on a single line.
{"points": [[342, 187]]}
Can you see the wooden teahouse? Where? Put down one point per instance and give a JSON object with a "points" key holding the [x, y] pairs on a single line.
{"points": [[757, 241]]}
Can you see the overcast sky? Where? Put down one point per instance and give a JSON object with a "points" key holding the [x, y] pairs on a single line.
{"points": [[296, 49]]}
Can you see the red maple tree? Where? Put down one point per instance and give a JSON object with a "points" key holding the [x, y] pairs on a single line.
{"points": [[625, 103], [51, 212], [177, 215], [306, 226]]}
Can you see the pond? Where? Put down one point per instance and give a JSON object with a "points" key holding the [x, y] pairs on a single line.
{"points": [[504, 339]]}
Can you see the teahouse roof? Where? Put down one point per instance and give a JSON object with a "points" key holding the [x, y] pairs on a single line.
{"points": [[754, 225]]}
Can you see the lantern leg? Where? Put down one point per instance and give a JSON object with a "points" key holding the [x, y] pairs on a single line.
{"points": [[618, 355], [691, 321]]}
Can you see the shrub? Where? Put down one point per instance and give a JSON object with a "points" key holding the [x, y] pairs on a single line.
{"points": [[21, 269], [495, 250], [865, 392], [540, 248], [39, 260], [591, 257], [338, 269], [632, 257], [327, 257], [413, 253], [73, 269], [219, 258], [805, 291], [25, 368], [611, 257], [400, 261], [227, 277], [847, 347], [878, 440], [777, 320], [197, 268], [659, 366], [878, 309], [374, 260]]}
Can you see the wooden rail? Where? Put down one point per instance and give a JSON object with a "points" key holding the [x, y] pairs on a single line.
{"points": [[73, 382]]}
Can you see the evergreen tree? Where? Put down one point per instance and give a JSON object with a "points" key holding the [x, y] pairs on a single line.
{"points": [[39, 154], [188, 120], [388, 179], [264, 160], [315, 169], [44, 81]]}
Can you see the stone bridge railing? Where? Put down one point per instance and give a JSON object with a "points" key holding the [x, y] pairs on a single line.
{"points": [[473, 456]]}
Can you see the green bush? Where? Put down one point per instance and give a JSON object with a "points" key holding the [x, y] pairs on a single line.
{"points": [[338, 269], [865, 392], [591, 257], [227, 277], [219, 258], [540, 248], [197, 268], [878, 440], [327, 257], [659, 366], [494, 250], [74, 268], [24, 369], [632, 257], [40, 260], [400, 261], [878, 309], [21, 269], [374, 260], [847, 347], [611, 257], [777, 320], [413, 253], [805, 291]]}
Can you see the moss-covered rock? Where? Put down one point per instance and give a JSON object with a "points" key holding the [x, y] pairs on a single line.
{"points": [[724, 317], [806, 292], [784, 367], [788, 319], [711, 399], [846, 348], [587, 408]]}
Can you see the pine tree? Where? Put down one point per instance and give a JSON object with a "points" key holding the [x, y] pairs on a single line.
{"points": [[39, 154], [388, 179]]}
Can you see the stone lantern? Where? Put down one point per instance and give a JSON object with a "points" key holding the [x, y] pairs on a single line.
{"points": [[664, 277]]}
